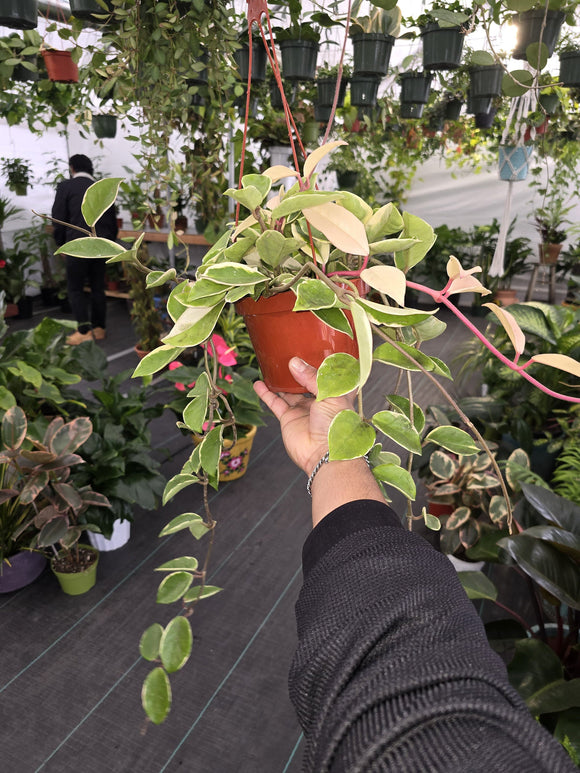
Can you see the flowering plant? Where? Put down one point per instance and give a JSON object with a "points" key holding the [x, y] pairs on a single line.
{"points": [[14, 268]]}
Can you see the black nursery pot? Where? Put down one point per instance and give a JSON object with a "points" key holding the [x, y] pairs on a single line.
{"points": [[485, 120], [326, 88], [412, 109], [453, 109], [85, 10], [104, 126], [299, 59], [529, 24], [364, 90], [485, 81], [442, 47], [242, 57], [570, 69], [371, 53], [415, 86], [25, 306], [477, 105], [19, 14]]}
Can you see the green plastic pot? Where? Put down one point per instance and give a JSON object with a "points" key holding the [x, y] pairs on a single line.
{"points": [[453, 109], [310, 132], [442, 47], [19, 14], [371, 53], [529, 24], [299, 59], [412, 109], [485, 81], [77, 583], [570, 69]]}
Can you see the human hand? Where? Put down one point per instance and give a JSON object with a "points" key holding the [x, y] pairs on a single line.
{"points": [[303, 421]]}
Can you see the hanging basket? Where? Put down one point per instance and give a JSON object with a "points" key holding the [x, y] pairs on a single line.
{"points": [[19, 14], [242, 57], [371, 53], [477, 105], [485, 120], [104, 126], [570, 69], [485, 81], [278, 334], [513, 162], [442, 47], [415, 86], [299, 59], [347, 179], [326, 87], [85, 10], [412, 109], [364, 90], [529, 24], [60, 66], [453, 109]]}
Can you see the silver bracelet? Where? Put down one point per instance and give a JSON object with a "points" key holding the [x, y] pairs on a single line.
{"points": [[319, 464]]}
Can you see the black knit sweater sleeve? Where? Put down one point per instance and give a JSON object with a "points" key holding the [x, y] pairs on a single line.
{"points": [[393, 671]]}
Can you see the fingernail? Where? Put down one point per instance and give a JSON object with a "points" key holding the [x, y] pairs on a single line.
{"points": [[298, 364]]}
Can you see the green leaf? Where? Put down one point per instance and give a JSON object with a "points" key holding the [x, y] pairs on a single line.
{"points": [[259, 181], [337, 375], [512, 89], [477, 585], [156, 360], [98, 198], [391, 316], [91, 247], [7, 399], [194, 594], [176, 484], [159, 278], [191, 521], [195, 412], [336, 319], [364, 339], [209, 452], [175, 644], [534, 666], [156, 695], [303, 200], [349, 437], [234, 274], [194, 326], [555, 509], [390, 355], [555, 697], [27, 373], [563, 540], [568, 732], [184, 563], [314, 294], [482, 59], [415, 228], [273, 247], [398, 428], [498, 511], [431, 521], [149, 644], [173, 587], [537, 55], [397, 477], [249, 197], [453, 439], [442, 466]]}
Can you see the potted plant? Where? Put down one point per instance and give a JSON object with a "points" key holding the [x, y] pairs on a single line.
{"points": [[540, 23], [15, 266], [541, 636], [38, 473], [19, 14], [104, 125], [443, 28], [550, 222], [18, 174], [569, 52], [299, 42], [373, 37], [347, 166], [326, 79], [415, 88]]}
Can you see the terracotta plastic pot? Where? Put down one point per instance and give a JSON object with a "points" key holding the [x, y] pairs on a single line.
{"points": [[60, 66], [278, 334], [24, 568], [505, 297], [77, 583], [439, 508], [11, 310], [549, 253]]}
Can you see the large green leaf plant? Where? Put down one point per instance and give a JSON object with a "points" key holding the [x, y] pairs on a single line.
{"points": [[312, 243]]}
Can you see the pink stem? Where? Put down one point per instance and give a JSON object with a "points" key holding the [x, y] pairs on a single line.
{"points": [[351, 273], [438, 297]]}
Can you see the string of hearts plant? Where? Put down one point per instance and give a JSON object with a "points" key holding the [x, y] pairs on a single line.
{"points": [[316, 245]]}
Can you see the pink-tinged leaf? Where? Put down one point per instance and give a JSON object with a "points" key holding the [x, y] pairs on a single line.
{"points": [[14, 427], [279, 171], [388, 280], [33, 488], [94, 498], [341, 227], [510, 326], [467, 284], [6, 494], [69, 495], [45, 515], [455, 270], [317, 155], [560, 361]]}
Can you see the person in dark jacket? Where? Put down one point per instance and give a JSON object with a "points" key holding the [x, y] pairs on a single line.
{"points": [[392, 671], [80, 272]]}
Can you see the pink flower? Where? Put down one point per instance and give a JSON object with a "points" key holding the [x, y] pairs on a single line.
{"points": [[2, 263], [178, 385], [223, 352]]}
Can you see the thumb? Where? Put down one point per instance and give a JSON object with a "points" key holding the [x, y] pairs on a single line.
{"points": [[304, 374]]}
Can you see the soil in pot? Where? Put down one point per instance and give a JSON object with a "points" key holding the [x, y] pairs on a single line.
{"points": [[67, 563], [80, 577]]}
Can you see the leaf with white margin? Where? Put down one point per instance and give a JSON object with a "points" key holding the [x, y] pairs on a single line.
{"points": [[337, 375], [317, 155], [194, 326], [340, 227], [349, 436], [364, 339], [560, 361], [391, 245], [388, 280], [511, 327], [249, 221], [279, 171], [467, 284]]}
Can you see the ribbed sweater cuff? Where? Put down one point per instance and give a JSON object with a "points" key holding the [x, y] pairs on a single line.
{"points": [[343, 522]]}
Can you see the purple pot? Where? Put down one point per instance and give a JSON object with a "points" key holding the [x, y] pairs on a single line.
{"points": [[23, 569]]}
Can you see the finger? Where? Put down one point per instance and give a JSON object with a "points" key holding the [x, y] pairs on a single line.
{"points": [[304, 374], [275, 403]]}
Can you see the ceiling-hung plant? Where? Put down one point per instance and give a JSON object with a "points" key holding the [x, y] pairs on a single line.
{"points": [[373, 36], [443, 28]]}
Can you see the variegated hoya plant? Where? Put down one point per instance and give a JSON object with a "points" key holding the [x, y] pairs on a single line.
{"points": [[312, 243]]}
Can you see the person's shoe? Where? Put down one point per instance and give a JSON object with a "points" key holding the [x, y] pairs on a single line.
{"points": [[99, 333], [78, 338]]}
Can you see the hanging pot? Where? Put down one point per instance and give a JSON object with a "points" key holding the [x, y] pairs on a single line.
{"points": [[104, 126], [242, 58], [513, 162], [570, 69], [278, 333], [411, 109], [477, 105], [326, 88], [549, 253], [322, 113], [549, 101], [76, 583], [119, 536], [485, 120], [442, 47], [25, 306], [485, 81], [310, 132], [85, 10], [60, 66], [19, 14], [347, 178], [364, 90], [453, 109], [529, 24], [415, 86], [20, 570], [299, 59], [371, 53]]}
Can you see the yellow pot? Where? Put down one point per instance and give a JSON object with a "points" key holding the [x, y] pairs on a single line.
{"points": [[235, 456]]}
